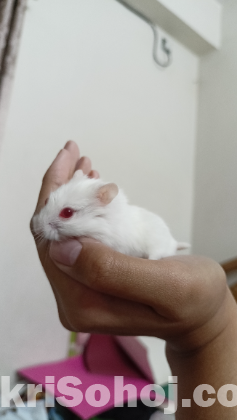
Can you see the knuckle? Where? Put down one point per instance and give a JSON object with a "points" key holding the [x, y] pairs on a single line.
{"points": [[72, 319], [64, 321], [79, 313], [82, 321]]}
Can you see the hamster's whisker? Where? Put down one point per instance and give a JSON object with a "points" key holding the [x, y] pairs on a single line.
{"points": [[39, 236]]}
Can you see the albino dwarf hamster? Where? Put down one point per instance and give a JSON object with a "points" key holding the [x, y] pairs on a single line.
{"points": [[90, 207]]}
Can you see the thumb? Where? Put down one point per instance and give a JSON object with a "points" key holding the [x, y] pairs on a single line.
{"points": [[172, 286], [84, 259], [102, 269], [65, 253], [99, 267]]}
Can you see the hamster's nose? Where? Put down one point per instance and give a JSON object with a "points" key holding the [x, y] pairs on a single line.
{"points": [[53, 225]]}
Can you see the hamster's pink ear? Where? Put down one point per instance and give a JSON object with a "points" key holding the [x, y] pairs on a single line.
{"points": [[107, 193], [78, 174]]}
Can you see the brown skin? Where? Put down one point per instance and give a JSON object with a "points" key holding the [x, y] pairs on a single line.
{"points": [[182, 299]]}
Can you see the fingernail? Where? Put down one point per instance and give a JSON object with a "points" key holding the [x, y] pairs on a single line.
{"points": [[68, 144], [66, 252]]}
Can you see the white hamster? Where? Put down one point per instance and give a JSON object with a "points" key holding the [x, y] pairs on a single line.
{"points": [[90, 207]]}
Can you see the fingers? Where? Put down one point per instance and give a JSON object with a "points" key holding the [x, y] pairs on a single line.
{"points": [[170, 285], [59, 172], [91, 311], [108, 272], [84, 164], [62, 169], [84, 309], [94, 174]]}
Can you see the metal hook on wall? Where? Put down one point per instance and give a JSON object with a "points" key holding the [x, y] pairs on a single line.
{"points": [[154, 28], [164, 48]]}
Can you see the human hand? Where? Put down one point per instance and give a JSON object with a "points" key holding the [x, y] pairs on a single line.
{"points": [[182, 299], [102, 291]]}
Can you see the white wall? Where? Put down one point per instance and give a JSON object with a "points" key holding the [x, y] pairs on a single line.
{"points": [[85, 72], [215, 210]]}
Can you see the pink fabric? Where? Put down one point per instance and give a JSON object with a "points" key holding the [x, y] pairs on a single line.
{"points": [[75, 366], [137, 353], [103, 355]]}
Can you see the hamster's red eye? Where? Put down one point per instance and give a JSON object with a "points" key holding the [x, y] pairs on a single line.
{"points": [[66, 213]]}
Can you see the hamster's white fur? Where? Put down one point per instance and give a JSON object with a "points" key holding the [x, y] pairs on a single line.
{"points": [[102, 212]]}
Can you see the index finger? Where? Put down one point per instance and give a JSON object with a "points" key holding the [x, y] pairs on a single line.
{"points": [[59, 172]]}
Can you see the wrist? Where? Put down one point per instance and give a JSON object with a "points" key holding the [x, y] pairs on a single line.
{"points": [[195, 339]]}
